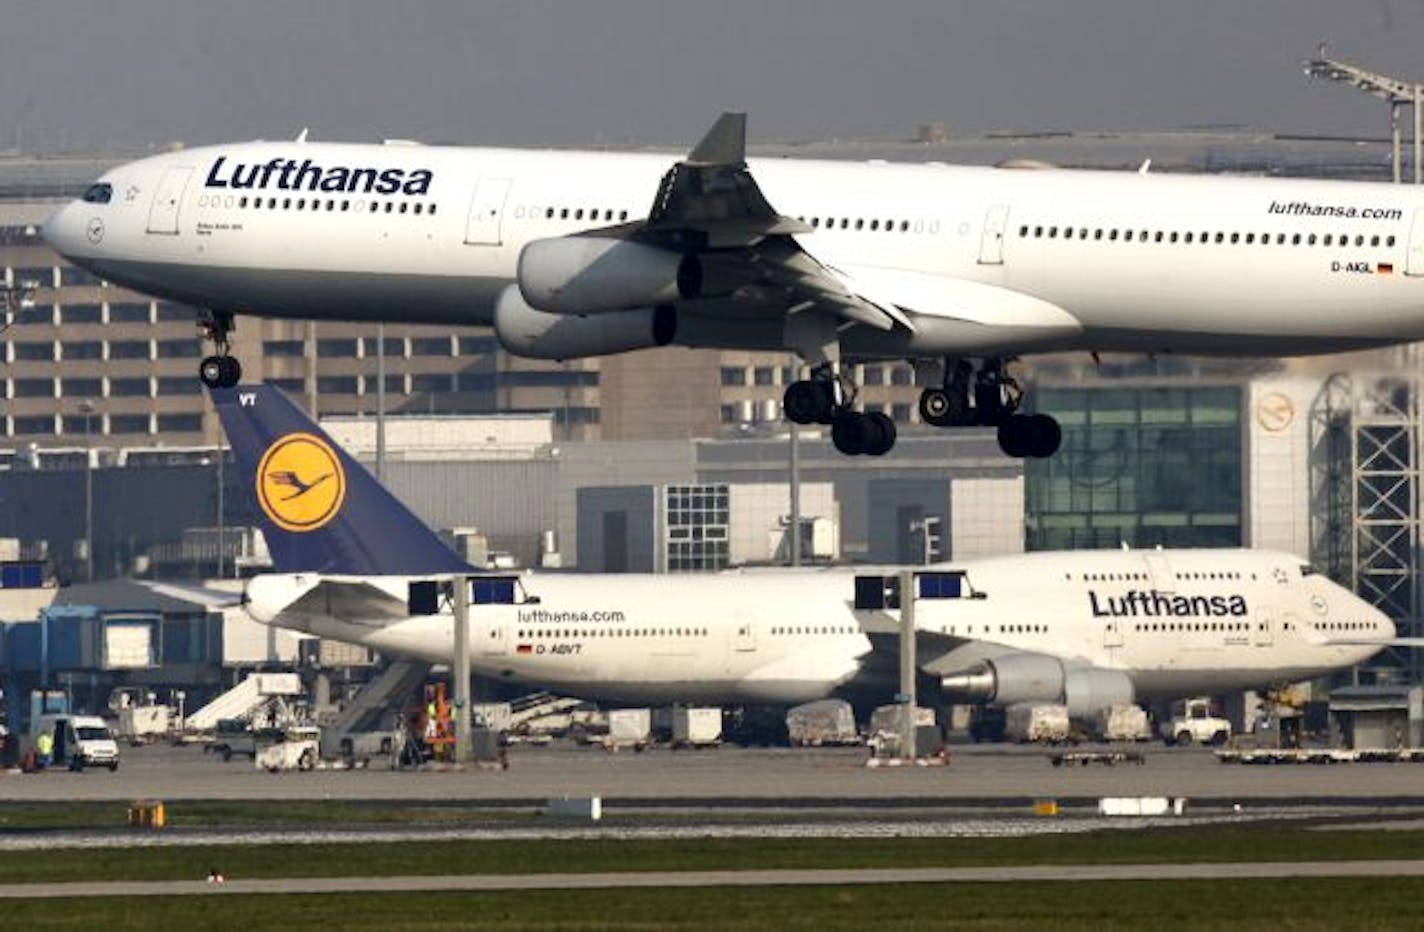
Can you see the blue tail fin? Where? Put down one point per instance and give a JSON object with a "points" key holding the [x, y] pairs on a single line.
{"points": [[321, 510]]}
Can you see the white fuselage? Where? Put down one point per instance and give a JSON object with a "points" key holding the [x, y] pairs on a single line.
{"points": [[983, 261], [1201, 622]]}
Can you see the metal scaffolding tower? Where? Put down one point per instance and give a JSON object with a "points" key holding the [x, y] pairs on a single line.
{"points": [[1396, 92], [1365, 496]]}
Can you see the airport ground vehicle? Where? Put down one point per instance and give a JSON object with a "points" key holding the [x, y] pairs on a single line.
{"points": [[79, 741], [630, 728], [1036, 721], [696, 727], [299, 749], [826, 721], [1194, 721], [1122, 721]]}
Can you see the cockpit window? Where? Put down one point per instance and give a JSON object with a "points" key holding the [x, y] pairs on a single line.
{"points": [[98, 193], [1307, 570]]}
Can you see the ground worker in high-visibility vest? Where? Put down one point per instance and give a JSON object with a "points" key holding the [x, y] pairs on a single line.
{"points": [[44, 749]]}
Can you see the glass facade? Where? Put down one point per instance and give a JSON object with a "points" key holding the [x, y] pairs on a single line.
{"points": [[698, 527], [1139, 466]]}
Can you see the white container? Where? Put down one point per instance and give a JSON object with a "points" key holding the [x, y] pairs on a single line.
{"points": [[697, 727], [1036, 721], [630, 727]]}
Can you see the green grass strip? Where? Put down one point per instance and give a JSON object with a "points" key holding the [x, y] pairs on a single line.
{"points": [[1285, 906], [516, 856]]}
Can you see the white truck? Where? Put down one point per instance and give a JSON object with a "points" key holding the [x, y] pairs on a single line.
{"points": [[1036, 722], [1122, 721], [1194, 721], [79, 741], [696, 727]]}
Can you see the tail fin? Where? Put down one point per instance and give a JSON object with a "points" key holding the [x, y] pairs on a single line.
{"points": [[321, 510]]}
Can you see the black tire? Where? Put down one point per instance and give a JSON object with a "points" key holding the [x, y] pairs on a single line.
{"points": [[1016, 437], [212, 371], [882, 430], [851, 433], [1184, 739], [935, 407], [806, 402], [307, 761], [113, 767], [1047, 435], [226, 754], [232, 371], [1219, 738]]}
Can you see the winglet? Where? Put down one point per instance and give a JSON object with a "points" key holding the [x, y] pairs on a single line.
{"points": [[724, 144]]}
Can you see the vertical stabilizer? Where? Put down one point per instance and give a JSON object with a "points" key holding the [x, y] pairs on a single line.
{"points": [[321, 510]]}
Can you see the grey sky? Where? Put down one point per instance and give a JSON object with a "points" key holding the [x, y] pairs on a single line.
{"points": [[533, 72]]}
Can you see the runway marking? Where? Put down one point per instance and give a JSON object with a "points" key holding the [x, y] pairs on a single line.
{"points": [[1269, 870]]}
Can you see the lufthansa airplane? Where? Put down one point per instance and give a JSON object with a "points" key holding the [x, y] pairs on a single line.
{"points": [[1084, 628], [571, 254]]}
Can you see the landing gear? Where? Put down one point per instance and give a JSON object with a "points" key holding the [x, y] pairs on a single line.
{"points": [[825, 398], [996, 399], [221, 370], [854, 433]]}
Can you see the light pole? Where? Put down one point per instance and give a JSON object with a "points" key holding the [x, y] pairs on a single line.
{"points": [[86, 407]]}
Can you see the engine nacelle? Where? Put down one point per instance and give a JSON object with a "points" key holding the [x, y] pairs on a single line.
{"points": [[526, 332], [1015, 678], [1089, 690], [594, 275]]}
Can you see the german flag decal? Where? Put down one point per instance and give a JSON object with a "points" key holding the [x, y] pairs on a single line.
{"points": [[1385, 268]]}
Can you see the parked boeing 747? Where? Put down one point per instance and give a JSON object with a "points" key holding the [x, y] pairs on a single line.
{"points": [[570, 254], [1086, 628]]}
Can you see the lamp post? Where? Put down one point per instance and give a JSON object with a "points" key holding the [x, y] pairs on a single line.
{"points": [[86, 407]]}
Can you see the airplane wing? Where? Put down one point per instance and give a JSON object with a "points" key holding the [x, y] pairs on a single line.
{"points": [[352, 601], [198, 595], [709, 203]]}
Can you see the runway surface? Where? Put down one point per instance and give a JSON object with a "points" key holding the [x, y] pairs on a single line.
{"points": [[759, 878], [751, 776]]}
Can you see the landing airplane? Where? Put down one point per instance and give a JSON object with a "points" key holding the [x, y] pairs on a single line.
{"points": [[571, 254], [1085, 628]]}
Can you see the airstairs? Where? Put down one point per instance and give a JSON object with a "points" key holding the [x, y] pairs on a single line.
{"points": [[367, 709], [244, 700]]}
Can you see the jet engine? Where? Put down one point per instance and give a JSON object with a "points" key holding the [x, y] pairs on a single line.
{"points": [[594, 274], [526, 332], [1015, 678]]}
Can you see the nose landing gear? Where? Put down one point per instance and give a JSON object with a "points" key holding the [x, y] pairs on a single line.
{"points": [[221, 370]]}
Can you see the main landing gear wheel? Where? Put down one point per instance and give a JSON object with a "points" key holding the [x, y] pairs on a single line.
{"points": [[809, 401], [942, 408], [854, 433], [220, 371], [1032, 435]]}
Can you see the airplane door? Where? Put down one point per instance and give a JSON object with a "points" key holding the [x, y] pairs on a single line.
{"points": [[1414, 259], [991, 245], [489, 626], [482, 226], [1160, 569], [163, 214], [1112, 633], [744, 639], [1265, 634]]}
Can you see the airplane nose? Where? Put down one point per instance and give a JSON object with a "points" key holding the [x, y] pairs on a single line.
{"points": [[58, 230]]}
